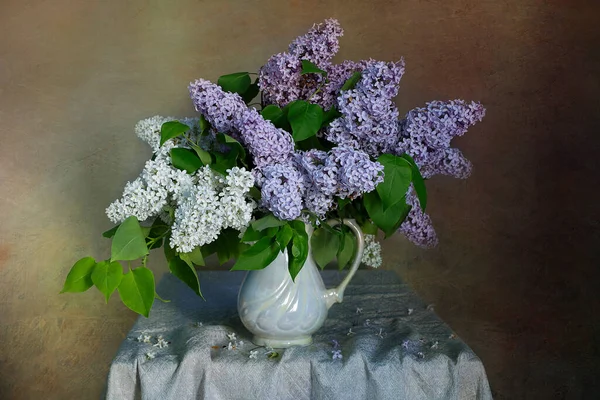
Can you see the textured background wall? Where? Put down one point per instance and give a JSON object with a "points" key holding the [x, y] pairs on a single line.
{"points": [[514, 274]]}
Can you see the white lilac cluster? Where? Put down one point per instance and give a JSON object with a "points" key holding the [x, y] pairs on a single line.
{"points": [[213, 204], [146, 196], [149, 131], [372, 253]]}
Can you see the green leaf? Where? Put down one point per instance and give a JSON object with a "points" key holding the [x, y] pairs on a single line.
{"points": [[310, 68], [79, 278], [170, 253], [418, 181], [185, 160], [297, 253], [346, 250], [258, 256], [324, 246], [276, 115], [129, 242], [227, 246], [172, 129], [352, 81], [268, 221], [330, 115], [389, 220], [111, 232], [203, 124], [232, 143], [156, 296], [397, 177], [137, 290], [186, 273], [202, 154], [238, 82], [343, 202], [284, 235], [305, 119], [193, 257], [369, 228], [255, 193], [252, 235], [107, 276], [251, 92], [224, 161]]}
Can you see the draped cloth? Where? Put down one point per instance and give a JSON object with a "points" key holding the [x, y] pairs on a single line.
{"points": [[392, 346]]}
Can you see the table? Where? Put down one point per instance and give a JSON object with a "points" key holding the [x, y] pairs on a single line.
{"points": [[382, 342]]}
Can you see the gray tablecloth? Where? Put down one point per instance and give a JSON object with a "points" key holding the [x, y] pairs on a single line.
{"points": [[387, 351]]}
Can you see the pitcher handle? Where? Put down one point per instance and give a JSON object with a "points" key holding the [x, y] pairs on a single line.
{"points": [[336, 295]]}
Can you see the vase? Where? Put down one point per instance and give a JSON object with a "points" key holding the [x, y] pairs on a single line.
{"points": [[281, 312]]}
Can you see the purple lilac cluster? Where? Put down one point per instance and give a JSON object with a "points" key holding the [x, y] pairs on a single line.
{"points": [[228, 113], [282, 189], [425, 134], [280, 79], [314, 177], [417, 226], [267, 143], [222, 109], [369, 119]]}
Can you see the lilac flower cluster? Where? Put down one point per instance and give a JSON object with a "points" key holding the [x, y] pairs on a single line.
{"points": [[369, 116], [314, 177], [417, 226], [282, 190], [228, 113], [425, 134], [280, 80]]}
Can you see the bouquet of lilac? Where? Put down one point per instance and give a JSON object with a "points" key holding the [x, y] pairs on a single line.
{"points": [[321, 141]]}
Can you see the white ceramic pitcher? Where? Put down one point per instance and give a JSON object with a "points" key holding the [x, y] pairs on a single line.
{"points": [[282, 313]]}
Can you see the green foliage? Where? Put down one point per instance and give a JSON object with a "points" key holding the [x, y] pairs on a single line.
{"points": [[107, 276], [129, 242], [387, 220], [297, 248], [204, 155], [346, 249], [324, 244], [79, 278], [305, 119], [203, 124], [137, 290], [310, 68], [277, 116], [284, 235], [329, 116], [193, 257], [227, 246], [397, 178], [369, 228], [352, 81], [186, 273], [185, 160], [111, 232], [172, 129], [251, 92], [267, 221], [238, 82], [258, 256], [418, 181]]}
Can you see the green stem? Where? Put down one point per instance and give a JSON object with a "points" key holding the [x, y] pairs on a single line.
{"points": [[318, 89]]}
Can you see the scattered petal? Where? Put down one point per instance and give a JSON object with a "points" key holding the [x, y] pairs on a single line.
{"points": [[381, 333], [147, 339], [150, 355], [336, 345], [359, 310], [435, 345], [199, 325], [420, 354], [405, 344], [337, 354], [231, 336], [410, 311], [350, 333], [367, 322], [161, 342], [452, 336], [253, 354], [431, 307], [230, 346]]}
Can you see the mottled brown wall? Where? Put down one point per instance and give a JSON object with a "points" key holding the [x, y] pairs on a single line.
{"points": [[514, 274]]}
